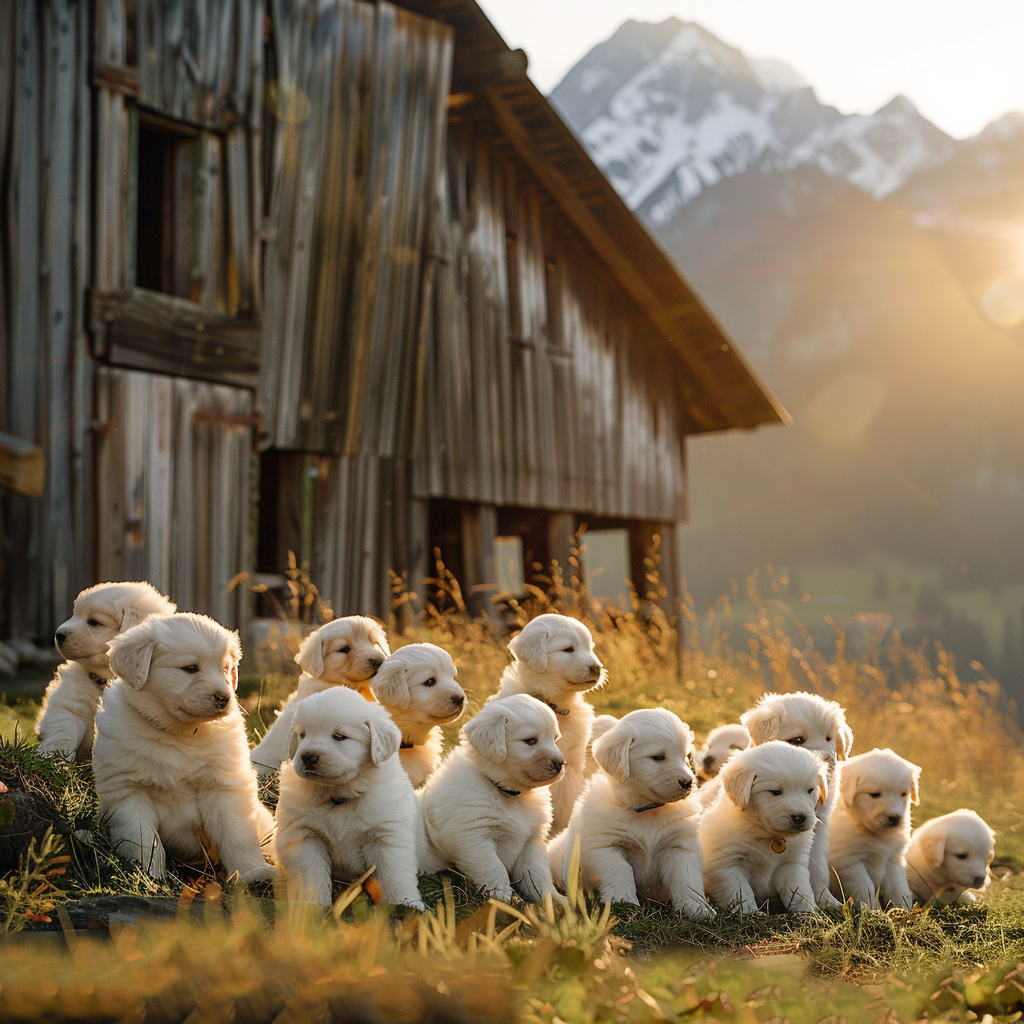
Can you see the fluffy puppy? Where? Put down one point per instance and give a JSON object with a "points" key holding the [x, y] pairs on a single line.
{"points": [[554, 661], [598, 728], [949, 855], [66, 719], [637, 818], [488, 807], [756, 837], [809, 721], [346, 804], [342, 652], [171, 758], [417, 687], [870, 829], [720, 745]]}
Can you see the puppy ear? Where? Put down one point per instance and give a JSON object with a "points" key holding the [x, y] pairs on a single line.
{"points": [[737, 783], [132, 652], [611, 752], [293, 741], [380, 638], [844, 741], [131, 616], [385, 737], [848, 783], [532, 647], [933, 847], [311, 655], [390, 685], [762, 723], [822, 786], [486, 734], [914, 798]]}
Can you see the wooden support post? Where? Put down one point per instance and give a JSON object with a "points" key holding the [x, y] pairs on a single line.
{"points": [[480, 583]]}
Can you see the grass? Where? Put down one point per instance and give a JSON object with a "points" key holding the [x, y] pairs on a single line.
{"points": [[475, 958]]}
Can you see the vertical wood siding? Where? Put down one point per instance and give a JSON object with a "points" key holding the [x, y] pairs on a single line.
{"points": [[173, 463], [45, 135], [359, 140], [587, 418]]}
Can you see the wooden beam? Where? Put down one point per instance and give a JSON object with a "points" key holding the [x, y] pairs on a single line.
{"points": [[146, 330], [480, 571], [22, 466]]}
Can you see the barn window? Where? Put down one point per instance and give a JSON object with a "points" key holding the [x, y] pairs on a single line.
{"points": [[515, 301], [162, 210], [508, 563]]}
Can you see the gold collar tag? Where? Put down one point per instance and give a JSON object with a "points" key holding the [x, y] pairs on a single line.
{"points": [[779, 845]]}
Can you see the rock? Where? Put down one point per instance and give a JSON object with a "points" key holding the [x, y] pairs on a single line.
{"points": [[31, 818]]}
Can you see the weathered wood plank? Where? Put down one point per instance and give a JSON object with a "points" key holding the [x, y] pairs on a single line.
{"points": [[152, 331], [22, 466]]}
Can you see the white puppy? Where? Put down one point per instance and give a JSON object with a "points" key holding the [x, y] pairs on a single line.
{"points": [[554, 661], [68, 715], [756, 837], [171, 758], [949, 855], [720, 745], [870, 829], [343, 652], [346, 804], [488, 807], [417, 687], [637, 819], [809, 721]]}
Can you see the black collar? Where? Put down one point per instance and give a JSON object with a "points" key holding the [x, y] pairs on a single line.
{"points": [[499, 786], [647, 807], [554, 707], [339, 800], [406, 746], [99, 680]]}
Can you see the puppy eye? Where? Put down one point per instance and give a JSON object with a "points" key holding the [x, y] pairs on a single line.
{"points": [[92, 622], [797, 741], [874, 796], [569, 650], [531, 741], [961, 856], [904, 795], [191, 669], [338, 736], [430, 681], [657, 757], [302, 735], [828, 739], [775, 792], [344, 650], [811, 790]]}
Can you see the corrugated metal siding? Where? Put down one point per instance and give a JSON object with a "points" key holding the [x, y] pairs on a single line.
{"points": [[173, 469], [45, 134], [591, 421], [344, 265]]}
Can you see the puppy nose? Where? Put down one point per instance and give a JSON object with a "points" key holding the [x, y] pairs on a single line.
{"points": [[457, 701], [220, 700], [798, 819], [894, 819], [310, 761], [375, 663], [60, 637], [556, 765], [979, 881], [595, 668], [709, 760], [685, 785]]}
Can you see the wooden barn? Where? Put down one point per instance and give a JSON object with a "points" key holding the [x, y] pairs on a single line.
{"points": [[330, 277]]}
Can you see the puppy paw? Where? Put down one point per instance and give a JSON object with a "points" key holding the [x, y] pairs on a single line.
{"points": [[695, 911], [261, 873], [826, 901]]}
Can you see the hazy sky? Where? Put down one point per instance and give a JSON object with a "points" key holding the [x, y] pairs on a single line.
{"points": [[960, 61]]}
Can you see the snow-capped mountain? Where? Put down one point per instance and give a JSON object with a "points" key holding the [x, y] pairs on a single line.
{"points": [[668, 111]]}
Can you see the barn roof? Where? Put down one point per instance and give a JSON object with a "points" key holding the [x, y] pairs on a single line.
{"points": [[728, 393]]}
